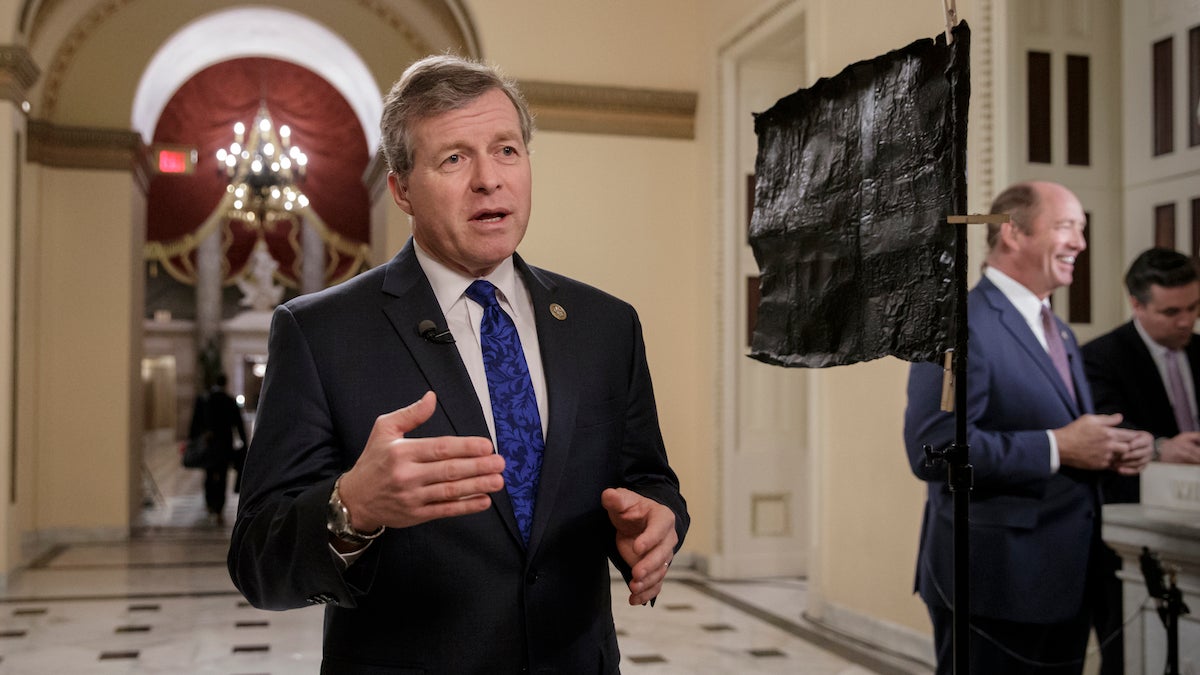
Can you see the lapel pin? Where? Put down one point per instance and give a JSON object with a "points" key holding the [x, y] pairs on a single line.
{"points": [[557, 311]]}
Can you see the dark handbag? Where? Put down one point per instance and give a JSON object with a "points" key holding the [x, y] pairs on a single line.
{"points": [[195, 452]]}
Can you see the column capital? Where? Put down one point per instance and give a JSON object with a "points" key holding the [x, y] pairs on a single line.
{"points": [[18, 72]]}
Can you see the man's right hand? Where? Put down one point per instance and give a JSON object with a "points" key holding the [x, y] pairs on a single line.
{"points": [[1182, 449], [1095, 442], [401, 482]]}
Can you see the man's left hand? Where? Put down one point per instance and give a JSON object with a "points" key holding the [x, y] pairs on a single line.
{"points": [[1137, 456], [646, 540]]}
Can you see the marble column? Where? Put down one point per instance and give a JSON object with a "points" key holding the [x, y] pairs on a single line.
{"points": [[313, 265], [208, 294]]}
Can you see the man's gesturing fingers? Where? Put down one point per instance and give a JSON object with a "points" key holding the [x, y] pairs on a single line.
{"points": [[646, 539], [400, 482]]}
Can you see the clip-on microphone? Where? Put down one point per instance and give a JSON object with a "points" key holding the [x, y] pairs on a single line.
{"points": [[429, 330]]}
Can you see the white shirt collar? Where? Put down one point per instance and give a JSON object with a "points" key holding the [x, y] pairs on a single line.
{"points": [[450, 285], [1028, 304], [1156, 350]]}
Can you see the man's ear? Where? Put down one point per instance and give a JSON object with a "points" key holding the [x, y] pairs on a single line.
{"points": [[1008, 234], [399, 189]]}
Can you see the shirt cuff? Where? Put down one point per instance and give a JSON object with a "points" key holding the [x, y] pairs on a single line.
{"points": [[347, 559], [1054, 461]]}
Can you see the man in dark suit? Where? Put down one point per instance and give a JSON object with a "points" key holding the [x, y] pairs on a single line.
{"points": [[371, 484], [216, 417], [1136, 370], [1036, 449]]}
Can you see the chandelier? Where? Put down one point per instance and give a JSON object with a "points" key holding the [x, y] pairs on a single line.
{"points": [[263, 169]]}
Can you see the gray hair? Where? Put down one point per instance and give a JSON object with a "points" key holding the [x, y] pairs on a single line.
{"points": [[434, 85]]}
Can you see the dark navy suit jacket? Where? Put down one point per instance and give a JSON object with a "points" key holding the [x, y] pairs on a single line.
{"points": [[458, 595], [1125, 380], [1031, 531]]}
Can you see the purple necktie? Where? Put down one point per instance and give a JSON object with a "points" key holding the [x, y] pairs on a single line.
{"points": [[1179, 399], [1058, 353], [514, 406]]}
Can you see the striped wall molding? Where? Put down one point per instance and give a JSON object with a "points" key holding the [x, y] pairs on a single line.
{"points": [[71, 147], [556, 107], [612, 110]]}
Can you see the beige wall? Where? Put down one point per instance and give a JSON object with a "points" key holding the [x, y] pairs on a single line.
{"points": [[85, 370], [630, 43], [870, 504]]}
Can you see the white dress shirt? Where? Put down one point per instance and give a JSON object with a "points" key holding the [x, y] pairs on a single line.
{"points": [[463, 317]]}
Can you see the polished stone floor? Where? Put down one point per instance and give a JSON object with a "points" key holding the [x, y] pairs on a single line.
{"points": [[162, 602]]}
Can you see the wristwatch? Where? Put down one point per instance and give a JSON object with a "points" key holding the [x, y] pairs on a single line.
{"points": [[338, 521], [1157, 453]]}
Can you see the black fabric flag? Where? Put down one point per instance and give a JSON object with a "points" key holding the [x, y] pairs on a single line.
{"points": [[855, 177]]}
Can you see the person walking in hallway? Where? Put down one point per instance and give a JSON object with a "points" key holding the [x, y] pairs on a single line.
{"points": [[216, 417]]}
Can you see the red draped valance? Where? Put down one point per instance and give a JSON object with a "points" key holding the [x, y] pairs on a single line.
{"points": [[202, 114]]}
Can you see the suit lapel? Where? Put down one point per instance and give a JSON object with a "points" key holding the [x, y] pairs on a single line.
{"points": [[1144, 372], [409, 299], [1019, 329], [1075, 360], [555, 337]]}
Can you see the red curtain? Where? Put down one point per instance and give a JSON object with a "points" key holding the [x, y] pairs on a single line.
{"points": [[202, 114]]}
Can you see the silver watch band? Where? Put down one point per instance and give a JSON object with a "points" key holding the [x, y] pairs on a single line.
{"points": [[338, 522]]}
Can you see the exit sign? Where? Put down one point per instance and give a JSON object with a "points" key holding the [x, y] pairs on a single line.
{"points": [[175, 159]]}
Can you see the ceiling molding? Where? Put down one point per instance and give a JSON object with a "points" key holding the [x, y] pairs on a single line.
{"points": [[67, 49], [89, 148], [612, 110], [18, 72]]}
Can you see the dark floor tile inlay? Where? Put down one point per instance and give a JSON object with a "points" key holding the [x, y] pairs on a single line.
{"points": [[109, 656], [144, 608], [252, 624], [29, 611], [133, 629], [760, 653], [648, 658], [251, 648], [716, 627], [12, 633], [680, 608]]}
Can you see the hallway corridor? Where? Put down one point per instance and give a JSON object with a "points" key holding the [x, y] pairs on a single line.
{"points": [[162, 602]]}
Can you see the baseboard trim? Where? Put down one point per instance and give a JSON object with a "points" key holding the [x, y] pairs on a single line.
{"points": [[874, 633]]}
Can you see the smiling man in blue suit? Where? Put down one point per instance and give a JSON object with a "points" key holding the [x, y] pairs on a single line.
{"points": [[1037, 449], [372, 486]]}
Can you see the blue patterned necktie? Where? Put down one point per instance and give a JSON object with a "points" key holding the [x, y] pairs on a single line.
{"points": [[514, 406]]}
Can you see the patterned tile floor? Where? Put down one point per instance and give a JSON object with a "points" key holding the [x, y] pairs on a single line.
{"points": [[162, 602]]}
